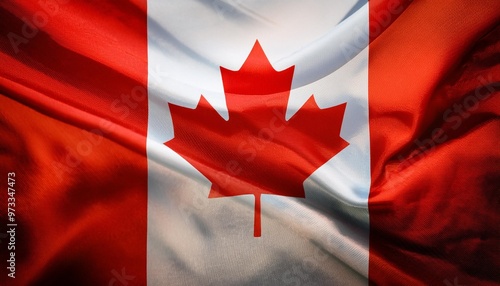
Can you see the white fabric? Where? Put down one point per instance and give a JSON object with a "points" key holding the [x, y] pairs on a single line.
{"points": [[318, 240]]}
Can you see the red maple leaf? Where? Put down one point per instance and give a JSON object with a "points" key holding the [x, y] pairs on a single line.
{"points": [[257, 151]]}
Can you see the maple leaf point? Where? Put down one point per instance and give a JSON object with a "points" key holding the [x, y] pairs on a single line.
{"points": [[257, 151]]}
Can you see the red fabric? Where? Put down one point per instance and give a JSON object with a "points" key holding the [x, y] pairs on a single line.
{"points": [[435, 167], [73, 113]]}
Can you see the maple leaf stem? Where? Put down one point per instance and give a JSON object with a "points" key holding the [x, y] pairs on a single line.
{"points": [[256, 225]]}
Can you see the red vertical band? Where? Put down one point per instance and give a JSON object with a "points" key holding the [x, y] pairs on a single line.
{"points": [[434, 128], [73, 117]]}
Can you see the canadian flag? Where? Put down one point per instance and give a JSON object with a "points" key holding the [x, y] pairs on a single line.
{"points": [[232, 142]]}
